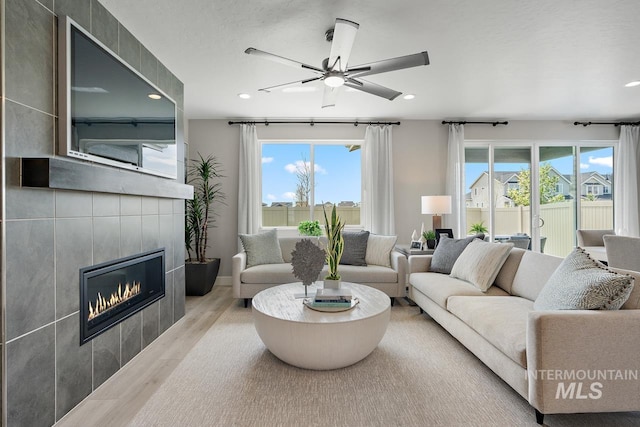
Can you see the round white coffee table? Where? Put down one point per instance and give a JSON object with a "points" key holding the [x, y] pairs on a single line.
{"points": [[312, 339]]}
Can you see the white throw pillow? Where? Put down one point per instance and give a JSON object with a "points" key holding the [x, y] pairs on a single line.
{"points": [[379, 249], [480, 263]]}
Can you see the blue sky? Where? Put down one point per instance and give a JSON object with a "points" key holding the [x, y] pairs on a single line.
{"points": [[337, 172], [598, 160]]}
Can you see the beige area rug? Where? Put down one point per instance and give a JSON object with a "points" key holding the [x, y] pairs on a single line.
{"points": [[418, 376]]}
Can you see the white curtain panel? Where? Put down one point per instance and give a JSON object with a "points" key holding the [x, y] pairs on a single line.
{"points": [[457, 221], [626, 182], [377, 181], [249, 199]]}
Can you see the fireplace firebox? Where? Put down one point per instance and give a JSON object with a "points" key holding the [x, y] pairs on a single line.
{"points": [[112, 291]]}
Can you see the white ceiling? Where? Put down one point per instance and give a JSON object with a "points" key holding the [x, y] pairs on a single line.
{"points": [[497, 59]]}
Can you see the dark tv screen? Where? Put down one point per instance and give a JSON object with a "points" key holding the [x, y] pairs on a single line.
{"points": [[112, 114]]}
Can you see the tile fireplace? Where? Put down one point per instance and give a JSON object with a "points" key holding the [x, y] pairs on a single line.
{"points": [[112, 291]]}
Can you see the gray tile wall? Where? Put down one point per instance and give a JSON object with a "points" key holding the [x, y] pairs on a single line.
{"points": [[51, 234]]}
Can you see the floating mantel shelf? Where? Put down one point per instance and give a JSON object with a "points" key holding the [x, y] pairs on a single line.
{"points": [[66, 174]]}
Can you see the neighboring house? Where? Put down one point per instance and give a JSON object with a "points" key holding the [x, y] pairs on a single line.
{"points": [[504, 181], [281, 204], [595, 183]]}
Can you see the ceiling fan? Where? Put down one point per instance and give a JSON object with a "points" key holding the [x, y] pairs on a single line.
{"points": [[335, 71]]}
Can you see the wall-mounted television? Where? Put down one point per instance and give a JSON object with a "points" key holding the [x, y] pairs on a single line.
{"points": [[110, 113]]}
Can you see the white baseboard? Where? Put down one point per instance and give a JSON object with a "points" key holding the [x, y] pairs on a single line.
{"points": [[223, 281]]}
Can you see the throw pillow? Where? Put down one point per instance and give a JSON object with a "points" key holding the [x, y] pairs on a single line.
{"points": [[447, 252], [581, 283], [355, 247], [480, 263], [262, 248], [379, 249]]}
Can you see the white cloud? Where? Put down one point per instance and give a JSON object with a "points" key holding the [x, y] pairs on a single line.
{"points": [[289, 195], [272, 197], [602, 161], [584, 166], [299, 166], [267, 159]]}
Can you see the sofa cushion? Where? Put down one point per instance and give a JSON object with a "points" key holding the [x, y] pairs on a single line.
{"points": [[273, 274], [447, 252], [505, 276], [500, 320], [368, 274], [480, 262], [439, 287], [581, 283], [533, 272], [379, 249], [355, 248], [262, 248]]}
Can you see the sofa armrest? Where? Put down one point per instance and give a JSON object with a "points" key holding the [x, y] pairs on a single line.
{"points": [[238, 265], [399, 264], [419, 263], [583, 360]]}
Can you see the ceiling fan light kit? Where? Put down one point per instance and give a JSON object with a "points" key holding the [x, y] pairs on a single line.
{"points": [[335, 71]]}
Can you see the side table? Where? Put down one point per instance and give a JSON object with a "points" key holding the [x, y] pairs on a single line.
{"points": [[406, 250]]}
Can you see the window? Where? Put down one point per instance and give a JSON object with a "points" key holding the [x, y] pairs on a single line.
{"points": [[559, 189], [298, 178]]}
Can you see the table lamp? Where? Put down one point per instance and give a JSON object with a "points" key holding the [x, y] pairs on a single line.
{"points": [[436, 206]]}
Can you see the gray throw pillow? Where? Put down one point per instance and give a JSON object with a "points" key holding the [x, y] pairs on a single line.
{"points": [[447, 252], [581, 283], [262, 248], [355, 247]]}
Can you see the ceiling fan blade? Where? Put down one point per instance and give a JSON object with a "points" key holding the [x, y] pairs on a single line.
{"points": [[281, 60], [282, 86], [344, 34], [372, 88], [329, 97], [392, 64]]}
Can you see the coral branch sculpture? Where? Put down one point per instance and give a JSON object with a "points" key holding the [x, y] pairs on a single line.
{"points": [[307, 260]]}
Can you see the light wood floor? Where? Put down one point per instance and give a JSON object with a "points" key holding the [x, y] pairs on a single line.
{"points": [[118, 400]]}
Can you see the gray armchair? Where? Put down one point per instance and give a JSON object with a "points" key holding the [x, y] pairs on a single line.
{"points": [[592, 237], [623, 252]]}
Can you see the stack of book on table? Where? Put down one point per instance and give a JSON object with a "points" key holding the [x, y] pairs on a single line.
{"points": [[332, 298]]}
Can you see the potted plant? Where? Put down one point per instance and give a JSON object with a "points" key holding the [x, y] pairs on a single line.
{"points": [[200, 215], [309, 228], [478, 228], [430, 237], [335, 247]]}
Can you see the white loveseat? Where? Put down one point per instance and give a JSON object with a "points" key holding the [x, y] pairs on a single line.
{"points": [[541, 354], [249, 281]]}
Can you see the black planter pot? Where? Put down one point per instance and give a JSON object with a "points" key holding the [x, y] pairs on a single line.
{"points": [[431, 243], [200, 277]]}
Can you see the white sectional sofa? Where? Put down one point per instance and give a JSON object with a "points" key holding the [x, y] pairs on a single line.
{"points": [[249, 281], [543, 355]]}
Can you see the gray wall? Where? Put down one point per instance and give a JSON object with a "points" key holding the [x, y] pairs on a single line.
{"points": [[51, 234], [419, 159]]}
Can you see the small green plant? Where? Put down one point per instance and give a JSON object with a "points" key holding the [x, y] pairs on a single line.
{"points": [[335, 244], [429, 235], [478, 228], [309, 228]]}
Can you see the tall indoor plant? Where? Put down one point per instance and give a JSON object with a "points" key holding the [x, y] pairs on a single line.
{"points": [[204, 174], [335, 247]]}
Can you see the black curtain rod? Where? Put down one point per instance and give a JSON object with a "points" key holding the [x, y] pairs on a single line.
{"points": [[607, 123], [309, 122], [445, 122]]}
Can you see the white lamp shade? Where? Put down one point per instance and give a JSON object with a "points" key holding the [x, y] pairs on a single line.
{"points": [[436, 205]]}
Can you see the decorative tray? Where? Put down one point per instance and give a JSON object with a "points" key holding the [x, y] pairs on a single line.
{"points": [[309, 303]]}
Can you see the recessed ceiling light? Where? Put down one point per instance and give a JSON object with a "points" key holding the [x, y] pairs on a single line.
{"points": [[154, 96], [633, 83], [244, 95], [409, 96]]}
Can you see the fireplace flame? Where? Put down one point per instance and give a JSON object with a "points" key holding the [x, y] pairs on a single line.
{"points": [[103, 304]]}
